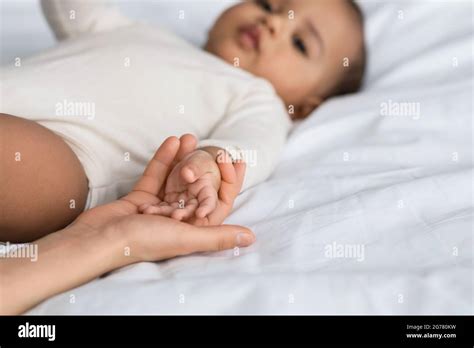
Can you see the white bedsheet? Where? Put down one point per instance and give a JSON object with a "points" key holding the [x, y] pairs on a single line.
{"points": [[398, 188]]}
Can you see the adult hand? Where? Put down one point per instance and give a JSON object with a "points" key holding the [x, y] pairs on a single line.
{"points": [[151, 237], [95, 242], [231, 180]]}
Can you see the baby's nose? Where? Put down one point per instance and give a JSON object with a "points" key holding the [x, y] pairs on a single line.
{"points": [[274, 23]]}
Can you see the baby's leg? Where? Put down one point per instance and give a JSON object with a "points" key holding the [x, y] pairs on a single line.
{"points": [[43, 186]]}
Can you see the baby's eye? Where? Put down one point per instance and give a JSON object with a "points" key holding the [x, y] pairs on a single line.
{"points": [[265, 4], [300, 46]]}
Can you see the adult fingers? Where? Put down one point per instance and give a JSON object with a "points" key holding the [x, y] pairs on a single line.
{"points": [[224, 161], [215, 238], [158, 168], [227, 195], [230, 190], [188, 144], [240, 168]]}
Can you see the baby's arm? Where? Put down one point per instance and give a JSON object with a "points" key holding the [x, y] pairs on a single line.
{"points": [[254, 131], [71, 18]]}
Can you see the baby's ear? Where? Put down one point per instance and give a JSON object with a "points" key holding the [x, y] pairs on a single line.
{"points": [[307, 107]]}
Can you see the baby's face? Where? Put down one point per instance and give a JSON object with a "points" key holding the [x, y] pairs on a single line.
{"points": [[297, 45]]}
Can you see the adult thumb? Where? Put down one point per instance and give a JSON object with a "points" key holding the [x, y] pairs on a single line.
{"points": [[217, 238]]}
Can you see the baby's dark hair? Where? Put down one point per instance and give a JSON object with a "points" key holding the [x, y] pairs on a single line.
{"points": [[353, 75]]}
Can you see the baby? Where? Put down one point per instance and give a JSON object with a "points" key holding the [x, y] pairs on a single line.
{"points": [[113, 90], [309, 50]]}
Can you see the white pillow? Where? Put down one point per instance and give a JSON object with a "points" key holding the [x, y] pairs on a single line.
{"points": [[407, 40], [417, 43], [23, 30], [33, 35], [417, 46]]}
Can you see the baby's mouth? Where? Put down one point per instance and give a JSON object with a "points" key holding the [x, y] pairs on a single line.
{"points": [[249, 37]]}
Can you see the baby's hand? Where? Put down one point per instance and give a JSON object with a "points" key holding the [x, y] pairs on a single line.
{"points": [[191, 188]]}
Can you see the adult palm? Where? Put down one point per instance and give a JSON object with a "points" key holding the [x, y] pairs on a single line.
{"points": [[153, 238]]}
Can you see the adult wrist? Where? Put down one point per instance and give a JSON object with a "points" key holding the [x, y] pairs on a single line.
{"points": [[69, 257], [114, 244]]}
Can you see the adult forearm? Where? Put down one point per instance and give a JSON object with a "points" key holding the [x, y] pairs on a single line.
{"points": [[66, 259]]}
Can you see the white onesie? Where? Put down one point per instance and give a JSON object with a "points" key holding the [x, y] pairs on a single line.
{"points": [[114, 89]]}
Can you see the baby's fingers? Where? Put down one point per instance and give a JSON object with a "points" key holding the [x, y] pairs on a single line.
{"points": [[207, 198], [172, 197], [163, 209], [186, 212]]}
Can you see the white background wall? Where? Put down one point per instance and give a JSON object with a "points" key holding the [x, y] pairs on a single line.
{"points": [[24, 31]]}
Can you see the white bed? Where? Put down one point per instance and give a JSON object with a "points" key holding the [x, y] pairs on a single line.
{"points": [[399, 188]]}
